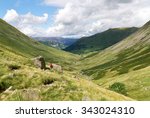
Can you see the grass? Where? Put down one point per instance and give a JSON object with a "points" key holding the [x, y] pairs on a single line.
{"points": [[47, 85], [123, 63], [119, 88], [13, 40], [137, 83], [14, 67], [100, 41], [130, 67], [30, 83], [126, 62]]}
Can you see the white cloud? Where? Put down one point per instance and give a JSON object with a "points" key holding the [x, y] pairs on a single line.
{"points": [[31, 19], [86, 17], [58, 3], [27, 23], [83, 17], [11, 16]]}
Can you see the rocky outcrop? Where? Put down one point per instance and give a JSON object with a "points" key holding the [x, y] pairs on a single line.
{"points": [[40, 62]]}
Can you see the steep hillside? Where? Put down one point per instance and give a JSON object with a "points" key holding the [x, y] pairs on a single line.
{"points": [[25, 82], [21, 80], [100, 41], [127, 61], [15, 41]]}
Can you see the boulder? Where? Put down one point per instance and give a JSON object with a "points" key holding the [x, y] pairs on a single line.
{"points": [[40, 62]]}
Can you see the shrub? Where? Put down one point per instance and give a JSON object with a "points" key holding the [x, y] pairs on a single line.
{"points": [[14, 67], [4, 86], [119, 88], [47, 81]]}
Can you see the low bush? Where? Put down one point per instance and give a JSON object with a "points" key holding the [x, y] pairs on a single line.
{"points": [[14, 67], [4, 86], [47, 81], [119, 88]]}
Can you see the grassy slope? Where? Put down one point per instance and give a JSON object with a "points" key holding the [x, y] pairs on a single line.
{"points": [[100, 41], [17, 42], [30, 83], [137, 83], [121, 61]]}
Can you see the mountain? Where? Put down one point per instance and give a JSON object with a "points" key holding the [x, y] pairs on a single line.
{"points": [[128, 62], [15, 41], [100, 41], [56, 42], [21, 80]]}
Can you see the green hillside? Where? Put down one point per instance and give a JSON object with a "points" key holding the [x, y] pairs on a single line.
{"points": [[15, 41], [21, 80], [100, 41], [30, 83], [127, 61]]}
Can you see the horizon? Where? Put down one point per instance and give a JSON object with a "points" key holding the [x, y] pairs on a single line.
{"points": [[73, 19]]}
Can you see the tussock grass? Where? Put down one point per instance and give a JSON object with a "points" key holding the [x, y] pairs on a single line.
{"points": [[30, 83]]}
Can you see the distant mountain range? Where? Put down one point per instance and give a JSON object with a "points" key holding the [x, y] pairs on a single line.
{"points": [[56, 42], [100, 41]]}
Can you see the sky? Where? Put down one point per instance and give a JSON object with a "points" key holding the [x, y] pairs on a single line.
{"points": [[73, 18]]}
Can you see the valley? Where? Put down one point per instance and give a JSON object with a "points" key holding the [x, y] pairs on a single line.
{"points": [[56, 42], [85, 77]]}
